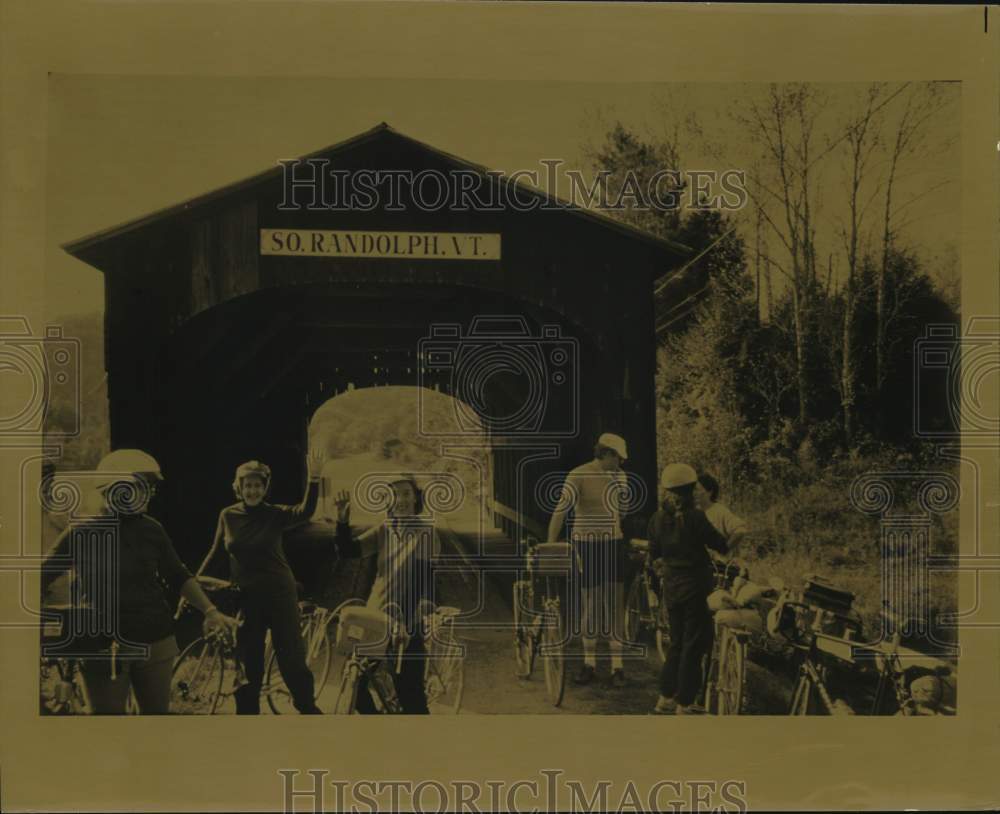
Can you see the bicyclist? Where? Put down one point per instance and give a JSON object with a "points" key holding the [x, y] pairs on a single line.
{"points": [[592, 491], [679, 538], [404, 545], [250, 531], [130, 566], [726, 521]]}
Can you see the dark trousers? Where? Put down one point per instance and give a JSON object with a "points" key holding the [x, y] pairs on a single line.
{"points": [[691, 635], [409, 682], [280, 613]]}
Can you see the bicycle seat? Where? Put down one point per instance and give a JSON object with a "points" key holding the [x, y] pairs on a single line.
{"points": [[447, 612], [639, 544]]}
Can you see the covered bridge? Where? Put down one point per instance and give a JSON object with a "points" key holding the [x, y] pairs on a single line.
{"points": [[228, 322]]}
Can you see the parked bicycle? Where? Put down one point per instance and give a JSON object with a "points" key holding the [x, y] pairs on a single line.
{"points": [[740, 611], [539, 628], [198, 685], [644, 612], [819, 623], [909, 682], [444, 673], [363, 634]]}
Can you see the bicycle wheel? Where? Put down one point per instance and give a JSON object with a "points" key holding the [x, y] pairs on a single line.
{"points": [[636, 609], [444, 678], [348, 692], [732, 675], [524, 645], [196, 682], [320, 657], [553, 657], [801, 697]]}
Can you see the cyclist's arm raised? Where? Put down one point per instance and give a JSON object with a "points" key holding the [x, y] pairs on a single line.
{"points": [[303, 512]]}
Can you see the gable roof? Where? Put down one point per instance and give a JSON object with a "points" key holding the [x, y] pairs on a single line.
{"points": [[675, 251]]}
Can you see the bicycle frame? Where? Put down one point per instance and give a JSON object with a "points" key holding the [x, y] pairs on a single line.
{"points": [[375, 670]]}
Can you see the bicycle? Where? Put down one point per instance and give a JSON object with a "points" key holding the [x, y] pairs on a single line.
{"points": [[359, 626], [444, 671], [897, 668], [198, 677], [724, 572], [819, 624], [739, 625], [643, 609], [540, 630]]}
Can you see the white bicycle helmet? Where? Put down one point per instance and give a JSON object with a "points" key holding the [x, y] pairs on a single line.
{"points": [[127, 464], [677, 475]]}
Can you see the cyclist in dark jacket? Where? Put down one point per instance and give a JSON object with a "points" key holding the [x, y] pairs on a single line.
{"points": [[119, 568], [679, 538], [251, 533]]}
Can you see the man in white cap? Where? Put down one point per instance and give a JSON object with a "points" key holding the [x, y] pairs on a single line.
{"points": [[593, 492]]}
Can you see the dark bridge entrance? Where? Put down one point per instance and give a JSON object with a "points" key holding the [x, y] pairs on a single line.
{"points": [[218, 349]]}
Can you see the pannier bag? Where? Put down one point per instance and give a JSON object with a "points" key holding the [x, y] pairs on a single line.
{"points": [[821, 593], [834, 608], [553, 559], [361, 626]]}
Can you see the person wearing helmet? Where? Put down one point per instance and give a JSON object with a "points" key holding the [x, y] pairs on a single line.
{"points": [[250, 531], [592, 492], [404, 546], [679, 538], [129, 566], [726, 521]]}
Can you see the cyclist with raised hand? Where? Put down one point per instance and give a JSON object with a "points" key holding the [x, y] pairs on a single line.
{"points": [[404, 545], [130, 566], [679, 538], [250, 531]]}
